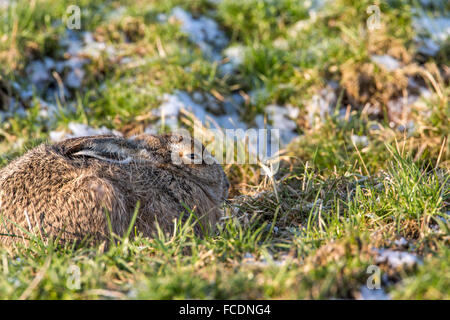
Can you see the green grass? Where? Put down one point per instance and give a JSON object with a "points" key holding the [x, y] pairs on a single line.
{"points": [[324, 247], [335, 201]]}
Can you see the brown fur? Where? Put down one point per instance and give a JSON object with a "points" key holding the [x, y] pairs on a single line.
{"points": [[64, 189]]}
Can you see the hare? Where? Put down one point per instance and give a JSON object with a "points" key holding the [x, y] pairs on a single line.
{"points": [[82, 188]]}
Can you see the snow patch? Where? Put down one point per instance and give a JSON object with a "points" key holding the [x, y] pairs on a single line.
{"points": [[397, 259], [373, 294], [235, 54], [402, 242], [203, 31], [263, 262], [283, 119], [432, 32], [438, 28], [386, 61], [362, 141], [79, 51], [199, 105], [321, 105]]}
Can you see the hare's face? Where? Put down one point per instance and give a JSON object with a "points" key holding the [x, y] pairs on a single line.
{"points": [[193, 158], [189, 158]]}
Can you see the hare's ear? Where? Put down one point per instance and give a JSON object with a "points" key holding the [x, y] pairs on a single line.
{"points": [[106, 148], [73, 145], [108, 157]]}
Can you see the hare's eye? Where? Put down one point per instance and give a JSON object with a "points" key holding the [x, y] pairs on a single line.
{"points": [[193, 158]]}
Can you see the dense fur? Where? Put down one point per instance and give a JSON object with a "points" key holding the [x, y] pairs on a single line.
{"points": [[65, 190]]}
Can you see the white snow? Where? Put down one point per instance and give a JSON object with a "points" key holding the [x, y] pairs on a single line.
{"points": [[265, 145], [438, 28], [37, 72], [75, 77], [283, 119], [397, 259], [76, 51], [79, 51], [264, 262], [280, 117], [320, 105], [386, 61], [433, 31], [203, 31], [373, 294], [235, 54], [402, 242], [362, 141], [429, 47], [171, 107], [95, 49], [47, 110]]}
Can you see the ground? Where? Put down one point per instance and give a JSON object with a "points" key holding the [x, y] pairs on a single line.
{"points": [[360, 205]]}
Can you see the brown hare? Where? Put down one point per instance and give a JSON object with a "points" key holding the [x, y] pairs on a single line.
{"points": [[69, 189]]}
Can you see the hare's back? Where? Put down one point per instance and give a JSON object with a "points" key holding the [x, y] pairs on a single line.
{"points": [[45, 192]]}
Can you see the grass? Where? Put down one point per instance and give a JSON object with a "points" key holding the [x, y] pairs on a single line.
{"points": [[316, 242], [352, 183]]}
